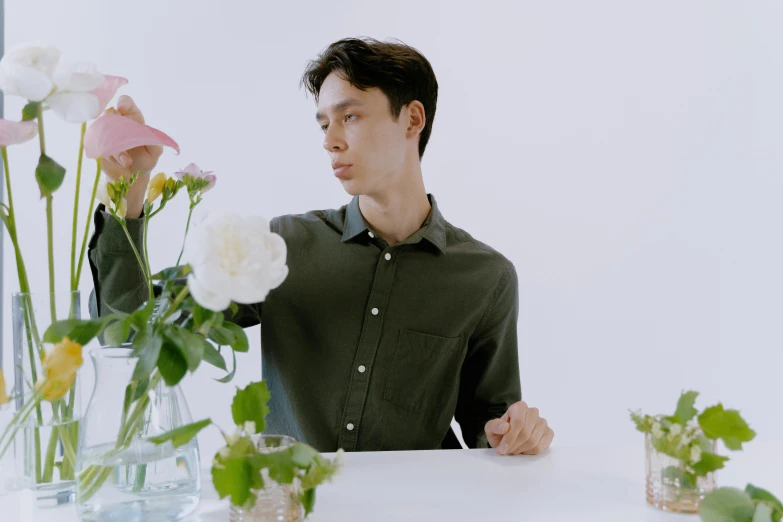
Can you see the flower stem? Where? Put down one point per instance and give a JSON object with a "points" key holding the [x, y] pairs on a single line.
{"points": [[26, 302], [135, 251], [91, 478], [50, 248], [184, 239], [87, 224], [74, 283], [147, 255], [177, 301]]}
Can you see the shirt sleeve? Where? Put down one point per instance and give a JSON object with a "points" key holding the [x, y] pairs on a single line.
{"points": [[490, 383], [118, 281]]}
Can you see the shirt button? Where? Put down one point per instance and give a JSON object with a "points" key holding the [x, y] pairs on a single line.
{"points": [[374, 311], [387, 256], [362, 369], [350, 426], [371, 234]]}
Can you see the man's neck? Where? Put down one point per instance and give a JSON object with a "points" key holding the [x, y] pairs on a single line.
{"points": [[397, 214]]}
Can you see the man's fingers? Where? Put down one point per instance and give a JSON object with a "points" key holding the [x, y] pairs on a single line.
{"points": [[543, 444], [521, 427], [128, 108], [535, 437], [156, 151], [495, 429]]}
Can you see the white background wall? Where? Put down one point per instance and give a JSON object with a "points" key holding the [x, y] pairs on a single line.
{"points": [[624, 155]]}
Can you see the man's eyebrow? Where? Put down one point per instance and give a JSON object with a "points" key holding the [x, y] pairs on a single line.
{"points": [[344, 104]]}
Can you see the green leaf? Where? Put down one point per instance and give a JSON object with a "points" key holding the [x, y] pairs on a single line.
{"points": [[171, 273], [49, 175], [141, 317], [728, 425], [709, 462], [307, 497], [643, 422], [250, 404], [281, 468], [679, 477], [189, 344], [182, 435], [172, 364], [727, 505], [212, 356], [685, 410], [763, 513], [764, 496], [79, 331], [148, 356], [117, 333], [230, 376], [240, 343], [232, 477], [221, 335], [234, 308], [203, 317], [30, 111], [139, 389], [303, 455]]}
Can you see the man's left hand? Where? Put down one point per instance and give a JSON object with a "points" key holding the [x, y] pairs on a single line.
{"points": [[521, 430]]}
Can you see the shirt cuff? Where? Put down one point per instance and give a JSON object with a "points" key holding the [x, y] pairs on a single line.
{"points": [[112, 237]]}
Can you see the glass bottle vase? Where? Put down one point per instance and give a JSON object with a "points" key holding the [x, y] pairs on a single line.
{"points": [[275, 502], [669, 486], [54, 425], [121, 474]]}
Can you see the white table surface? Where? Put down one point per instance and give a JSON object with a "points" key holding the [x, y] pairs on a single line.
{"points": [[564, 484]]}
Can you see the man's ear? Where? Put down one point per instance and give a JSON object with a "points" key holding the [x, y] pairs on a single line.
{"points": [[416, 118]]}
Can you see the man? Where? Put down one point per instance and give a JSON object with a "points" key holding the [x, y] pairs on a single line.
{"points": [[391, 321]]}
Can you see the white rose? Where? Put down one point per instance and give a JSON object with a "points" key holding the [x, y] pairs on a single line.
{"points": [[27, 70], [234, 258], [74, 100]]}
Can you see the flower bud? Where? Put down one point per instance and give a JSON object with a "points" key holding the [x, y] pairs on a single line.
{"points": [[59, 367], [155, 187], [3, 392]]}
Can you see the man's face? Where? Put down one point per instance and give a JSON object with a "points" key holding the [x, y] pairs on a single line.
{"points": [[359, 131]]}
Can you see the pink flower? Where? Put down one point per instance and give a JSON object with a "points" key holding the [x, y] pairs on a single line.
{"points": [[16, 132], [111, 134], [195, 172], [107, 91]]}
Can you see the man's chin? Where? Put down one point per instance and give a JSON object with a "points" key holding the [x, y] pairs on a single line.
{"points": [[351, 187]]}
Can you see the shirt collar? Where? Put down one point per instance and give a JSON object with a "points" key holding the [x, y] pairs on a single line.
{"points": [[433, 229]]}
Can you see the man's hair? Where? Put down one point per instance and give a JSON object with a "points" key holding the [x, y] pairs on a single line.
{"points": [[401, 72]]}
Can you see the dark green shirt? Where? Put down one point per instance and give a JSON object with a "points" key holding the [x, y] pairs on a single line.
{"points": [[366, 346]]}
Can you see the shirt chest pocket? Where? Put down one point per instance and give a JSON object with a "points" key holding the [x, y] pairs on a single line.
{"points": [[424, 372]]}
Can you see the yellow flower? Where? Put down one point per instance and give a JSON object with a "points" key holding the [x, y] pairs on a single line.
{"points": [[155, 188], [59, 367], [3, 393]]}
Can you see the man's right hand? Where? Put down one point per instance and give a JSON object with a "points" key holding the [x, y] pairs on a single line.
{"points": [[140, 159]]}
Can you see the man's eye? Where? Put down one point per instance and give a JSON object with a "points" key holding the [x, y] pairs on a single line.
{"points": [[323, 127], [351, 116]]}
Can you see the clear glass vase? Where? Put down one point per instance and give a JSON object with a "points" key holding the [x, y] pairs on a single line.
{"points": [[54, 425], [669, 485], [17, 481], [121, 475], [276, 502]]}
